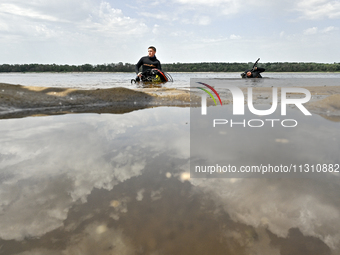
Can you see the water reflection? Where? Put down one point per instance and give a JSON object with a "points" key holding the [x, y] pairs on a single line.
{"points": [[118, 184], [251, 140]]}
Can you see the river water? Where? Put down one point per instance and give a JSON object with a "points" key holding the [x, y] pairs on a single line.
{"points": [[110, 80], [120, 183]]}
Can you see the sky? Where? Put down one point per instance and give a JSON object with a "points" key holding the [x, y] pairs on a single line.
{"points": [[186, 31]]}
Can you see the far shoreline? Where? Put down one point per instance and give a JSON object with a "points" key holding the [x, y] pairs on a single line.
{"points": [[283, 72], [176, 67]]}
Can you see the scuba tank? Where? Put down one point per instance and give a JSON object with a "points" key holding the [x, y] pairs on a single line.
{"points": [[154, 76]]}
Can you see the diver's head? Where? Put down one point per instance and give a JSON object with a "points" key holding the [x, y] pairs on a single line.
{"points": [[248, 73], [151, 51]]}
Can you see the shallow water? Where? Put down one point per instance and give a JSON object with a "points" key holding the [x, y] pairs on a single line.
{"points": [[119, 184], [295, 145], [109, 80]]}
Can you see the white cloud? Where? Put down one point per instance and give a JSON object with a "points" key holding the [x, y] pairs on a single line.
{"points": [[89, 18], [79, 31], [3, 26], [310, 31], [214, 7], [319, 9], [329, 29], [109, 21], [204, 2], [13, 9], [204, 20], [182, 33], [316, 30], [310, 9], [155, 29], [66, 31], [160, 15], [235, 37], [197, 20], [209, 41]]}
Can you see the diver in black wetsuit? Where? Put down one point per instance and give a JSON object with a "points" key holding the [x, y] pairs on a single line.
{"points": [[147, 63], [255, 73]]}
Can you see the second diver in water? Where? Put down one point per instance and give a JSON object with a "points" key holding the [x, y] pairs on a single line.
{"points": [[254, 72]]}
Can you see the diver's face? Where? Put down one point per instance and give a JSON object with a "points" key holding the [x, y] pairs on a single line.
{"points": [[151, 53], [248, 74]]}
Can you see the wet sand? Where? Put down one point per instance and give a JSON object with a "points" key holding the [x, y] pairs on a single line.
{"points": [[22, 101]]}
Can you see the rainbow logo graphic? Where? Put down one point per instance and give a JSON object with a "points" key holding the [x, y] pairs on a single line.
{"points": [[207, 91]]}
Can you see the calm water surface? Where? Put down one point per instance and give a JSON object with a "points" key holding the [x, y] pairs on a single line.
{"points": [[109, 80], [119, 184]]}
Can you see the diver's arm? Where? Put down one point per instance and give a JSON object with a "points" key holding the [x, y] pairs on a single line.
{"points": [[260, 69], [138, 65]]}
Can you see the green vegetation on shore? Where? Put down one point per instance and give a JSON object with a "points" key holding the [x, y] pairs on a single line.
{"points": [[176, 67]]}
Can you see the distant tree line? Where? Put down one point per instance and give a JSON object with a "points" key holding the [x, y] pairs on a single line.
{"points": [[240, 67], [175, 67]]}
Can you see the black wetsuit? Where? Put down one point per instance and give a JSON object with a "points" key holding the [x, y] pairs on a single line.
{"points": [[148, 63], [255, 73]]}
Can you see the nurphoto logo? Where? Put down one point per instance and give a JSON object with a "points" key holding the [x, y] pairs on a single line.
{"points": [[239, 105]]}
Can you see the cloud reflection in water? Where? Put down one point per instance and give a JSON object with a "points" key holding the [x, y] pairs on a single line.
{"points": [[91, 183]]}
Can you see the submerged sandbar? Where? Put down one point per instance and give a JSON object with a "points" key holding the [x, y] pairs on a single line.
{"points": [[22, 101]]}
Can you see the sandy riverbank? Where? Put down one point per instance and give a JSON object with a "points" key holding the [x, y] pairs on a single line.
{"points": [[21, 101]]}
